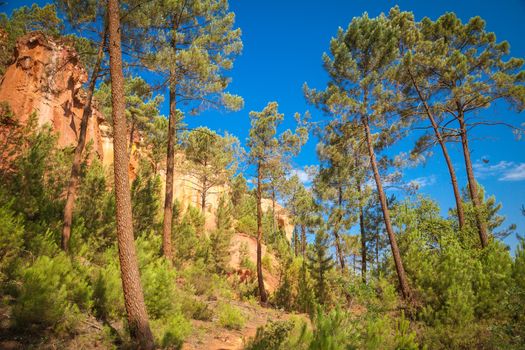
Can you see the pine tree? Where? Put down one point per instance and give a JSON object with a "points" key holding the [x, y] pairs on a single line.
{"points": [[80, 13], [422, 89], [303, 210], [220, 238], [145, 199], [339, 184], [489, 213], [264, 147], [473, 72], [239, 188], [320, 263], [361, 93], [373, 222], [212, 160], [191, 45], [141, 106], [133, 297], [305, 291]]}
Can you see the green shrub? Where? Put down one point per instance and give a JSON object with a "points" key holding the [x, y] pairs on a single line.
{"points": [[221, 288], [271, 336], [266, 262], [196, 309], [11, 242], [145, 199], [158, 282], [108, 298], [191, 244], [171, 331], [282, 335], [198, 278], [404, 337], [333, 331], [52, 294], [230, 317], [244, 257]]}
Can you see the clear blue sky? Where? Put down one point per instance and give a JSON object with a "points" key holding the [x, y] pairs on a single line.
{"points": [[283, 44]]}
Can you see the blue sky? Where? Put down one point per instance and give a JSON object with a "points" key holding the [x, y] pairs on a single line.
{"points": [[283, 43]]}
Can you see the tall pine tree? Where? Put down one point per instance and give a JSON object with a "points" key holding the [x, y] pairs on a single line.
{"points": [[191, 45]]}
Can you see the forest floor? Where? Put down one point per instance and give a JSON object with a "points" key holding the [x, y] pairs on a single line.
{"points": [[210, 335], [206, 335]]}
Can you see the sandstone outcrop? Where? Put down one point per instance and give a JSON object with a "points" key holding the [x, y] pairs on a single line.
{"points": [[46, 78]]}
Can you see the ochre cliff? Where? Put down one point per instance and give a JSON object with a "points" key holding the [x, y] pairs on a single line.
{"points": [[46, 78]]}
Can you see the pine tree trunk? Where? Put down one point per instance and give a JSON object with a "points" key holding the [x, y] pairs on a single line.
{"points": [[377, 253], [77, 157], [131, 135], [472, 184], [204, 191], [403, 282], [338, 249], [203, 198], [442, 145], [303, 241], [337, 239], [170, 166], [361, 226], [260, 280], [295, 242], [363, 238], [273, 211], [133, 298]]}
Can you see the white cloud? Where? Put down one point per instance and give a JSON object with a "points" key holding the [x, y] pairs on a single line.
{"points": [[517, 173], [503, 170], [484, 170], [303, 176], [423, 181]]}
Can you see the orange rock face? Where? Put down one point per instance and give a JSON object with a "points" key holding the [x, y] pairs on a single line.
{"points": [[46, 79]]}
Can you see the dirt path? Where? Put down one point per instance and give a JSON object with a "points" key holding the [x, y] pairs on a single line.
{"points": [[211, 336]]}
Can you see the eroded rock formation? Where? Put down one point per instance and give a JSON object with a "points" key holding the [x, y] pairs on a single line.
{"points": [[46, 78]]}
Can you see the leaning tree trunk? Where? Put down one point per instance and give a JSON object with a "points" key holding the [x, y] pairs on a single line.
{"points": [[170, 166], [77, 157], [133, 298], [472, 184], [441, 141], [260, 280], [403, 282]]}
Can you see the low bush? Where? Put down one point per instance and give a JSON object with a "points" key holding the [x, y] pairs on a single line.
{"points": [[196, 309], [108, 299], [271, 337], [11, 242], [230, 317], [170, 332], [52, 294]]}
